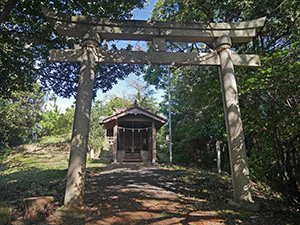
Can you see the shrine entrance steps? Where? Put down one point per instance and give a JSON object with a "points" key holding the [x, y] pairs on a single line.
{"points": [[132, 156]]}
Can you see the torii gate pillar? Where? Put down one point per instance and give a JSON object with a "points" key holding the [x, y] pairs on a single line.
{"points": [[79, 144], [235, 135]]}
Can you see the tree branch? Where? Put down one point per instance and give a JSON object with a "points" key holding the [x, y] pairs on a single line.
{"points": [[7, 8]]}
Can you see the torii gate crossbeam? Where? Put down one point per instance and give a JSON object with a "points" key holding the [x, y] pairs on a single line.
{"points": [[220, 35]]}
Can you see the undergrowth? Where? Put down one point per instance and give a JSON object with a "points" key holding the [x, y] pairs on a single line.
{"points": [[40, 170], [35, 170], [215, 190]]}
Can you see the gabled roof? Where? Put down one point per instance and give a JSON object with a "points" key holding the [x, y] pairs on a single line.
{"points": [[134, 110]]}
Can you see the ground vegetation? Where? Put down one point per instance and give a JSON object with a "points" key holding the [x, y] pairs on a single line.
{"points": [[268, 96]]}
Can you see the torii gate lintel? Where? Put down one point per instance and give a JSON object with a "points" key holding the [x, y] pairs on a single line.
{"points": [[154, 58], [222, 35]]}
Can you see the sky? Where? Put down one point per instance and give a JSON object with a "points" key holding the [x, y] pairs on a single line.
{"points": [[122, 85]]}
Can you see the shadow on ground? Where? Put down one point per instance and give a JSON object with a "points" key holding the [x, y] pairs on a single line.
{"points": [[144, 194]]}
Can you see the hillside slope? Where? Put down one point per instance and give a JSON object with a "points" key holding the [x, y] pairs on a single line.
{"points": [[40, 170]]}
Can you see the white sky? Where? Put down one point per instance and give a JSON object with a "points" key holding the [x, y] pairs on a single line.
{"points": [[121, 86]]}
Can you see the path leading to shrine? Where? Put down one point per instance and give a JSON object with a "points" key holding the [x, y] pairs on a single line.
{"points": [[133, 194], [144, 194], [136, 194]]}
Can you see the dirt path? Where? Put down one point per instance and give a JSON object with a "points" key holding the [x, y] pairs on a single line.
{"points": [[142, 194]]}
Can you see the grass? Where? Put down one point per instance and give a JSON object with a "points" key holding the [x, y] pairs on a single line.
{"points": [[56, 139], [33, 170], [40, 170], [215, 190], [36, 170]]}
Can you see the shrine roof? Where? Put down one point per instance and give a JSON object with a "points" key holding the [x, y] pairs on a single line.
{"points": [[136, 111]]}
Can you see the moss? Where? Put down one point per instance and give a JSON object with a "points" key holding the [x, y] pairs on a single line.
{"points": [[5, 213], [68, 215]]}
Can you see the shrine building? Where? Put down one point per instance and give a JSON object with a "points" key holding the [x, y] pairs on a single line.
{"points": [[133, 134]]}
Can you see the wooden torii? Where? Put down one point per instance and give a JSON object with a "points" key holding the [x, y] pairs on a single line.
{"points": [[219, 35]]}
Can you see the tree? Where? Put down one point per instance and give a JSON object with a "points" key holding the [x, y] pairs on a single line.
{"points": [[114, 102], [143, 95], [26, 38], [20, 116], [97, 132], [62, 78], [57, 123], [197, 114], [269, 96]]}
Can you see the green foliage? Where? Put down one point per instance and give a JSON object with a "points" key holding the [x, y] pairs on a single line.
{"points": [[97, 132], [55, 139], [5, 213], [34, 170], [269, 96], [143, 95], [273, 131], [26, 38], [196, 125], [140, 92], [115, 102], [57, 123], [19, 116]]}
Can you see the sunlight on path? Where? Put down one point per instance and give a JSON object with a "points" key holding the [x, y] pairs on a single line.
{"points": [[142, 194]]}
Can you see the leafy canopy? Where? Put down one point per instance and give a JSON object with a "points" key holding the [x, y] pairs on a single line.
{"points": [[20, 115], [26, 38], [269, 96]]}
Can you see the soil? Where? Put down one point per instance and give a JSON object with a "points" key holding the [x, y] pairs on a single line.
{"points": [[141, 194], [151, 194]]}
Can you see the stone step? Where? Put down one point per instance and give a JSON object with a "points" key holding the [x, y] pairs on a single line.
{"points": [[132, 153], [132, 160], [133, 156], [135, 151]]}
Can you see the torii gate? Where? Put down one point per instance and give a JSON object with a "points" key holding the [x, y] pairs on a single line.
{"points": [[220, 35]]}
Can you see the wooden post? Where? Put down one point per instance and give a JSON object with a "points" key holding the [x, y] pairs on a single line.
{"points": [[235, 134], [115, 149], [132, 141], [132, 138], [141, 140], [79, 144], [149, 135], [153, 143], [123, 144]]}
